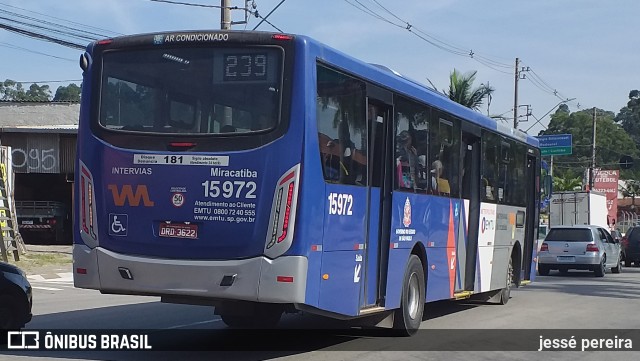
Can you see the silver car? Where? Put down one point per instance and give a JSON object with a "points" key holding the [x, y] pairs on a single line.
{"points": [[579, 247]]}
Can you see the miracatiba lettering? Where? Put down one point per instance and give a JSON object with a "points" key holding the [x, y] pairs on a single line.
{"points": [[240, 173], [131, 171]]}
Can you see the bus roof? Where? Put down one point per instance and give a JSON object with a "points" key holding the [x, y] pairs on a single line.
{"points": [[391, 79], [377, 74]]}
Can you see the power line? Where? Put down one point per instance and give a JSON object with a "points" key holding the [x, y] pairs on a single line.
{"points": [[456, 50], [47, 81], [68, 21], [42, 37], [11, 46], [541, 84], [270, 12], [187, 4], [53, 30], [45, 30], [264, 19]]}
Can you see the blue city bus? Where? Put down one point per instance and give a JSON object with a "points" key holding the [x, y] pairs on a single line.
{"points": [[264, 173]]}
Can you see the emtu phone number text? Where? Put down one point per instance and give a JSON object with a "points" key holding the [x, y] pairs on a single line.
{"points": [[229, 212]]}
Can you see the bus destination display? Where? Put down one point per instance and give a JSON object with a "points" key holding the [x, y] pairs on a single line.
{"points": [[245, 67]]}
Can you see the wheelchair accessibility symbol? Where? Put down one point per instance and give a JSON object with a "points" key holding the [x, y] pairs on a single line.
{"points": [[118, 224]]}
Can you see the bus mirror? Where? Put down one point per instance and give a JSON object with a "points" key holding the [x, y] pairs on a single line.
{"points": [[85, 60], [547, 185]]}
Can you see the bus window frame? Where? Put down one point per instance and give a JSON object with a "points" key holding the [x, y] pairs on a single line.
{"points": [[205, 141]]}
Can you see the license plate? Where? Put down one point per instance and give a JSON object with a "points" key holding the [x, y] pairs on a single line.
{"points": [[566, 259], [27, 222], [179, 230]]}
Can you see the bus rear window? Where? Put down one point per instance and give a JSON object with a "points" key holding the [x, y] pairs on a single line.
{"points": [[191, 90]]}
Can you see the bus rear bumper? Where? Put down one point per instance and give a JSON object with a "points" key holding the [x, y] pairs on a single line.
{"points": [[282, 280]]}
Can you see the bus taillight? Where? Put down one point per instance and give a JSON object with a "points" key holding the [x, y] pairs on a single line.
{"points": [[282, 37], [283, 211], [88, 226]]}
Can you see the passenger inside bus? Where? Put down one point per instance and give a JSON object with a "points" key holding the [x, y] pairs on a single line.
{"points": [[346, 154], [489, 186], [439, 184], [423, 171], [331, 161], [407, 161]]}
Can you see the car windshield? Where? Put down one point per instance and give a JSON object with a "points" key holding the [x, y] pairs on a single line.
{"points": [[569, 235]]}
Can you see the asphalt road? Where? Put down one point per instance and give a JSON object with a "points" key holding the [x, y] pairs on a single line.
{"points": [[576, 301]]}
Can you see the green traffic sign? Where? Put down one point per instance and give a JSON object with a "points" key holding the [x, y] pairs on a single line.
{"points": [[555, 150]]}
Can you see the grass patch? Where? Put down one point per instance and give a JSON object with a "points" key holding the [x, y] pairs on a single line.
{"points": [[33, 261]]}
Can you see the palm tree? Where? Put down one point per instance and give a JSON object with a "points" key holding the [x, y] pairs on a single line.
{"points": [[566, 184], [461, 89]]}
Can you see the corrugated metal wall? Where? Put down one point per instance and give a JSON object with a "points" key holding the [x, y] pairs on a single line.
{"points": [[41, 153], [67, 153]]}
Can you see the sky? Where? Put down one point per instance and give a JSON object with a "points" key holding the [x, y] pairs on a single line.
{"points": [[583, 52]]}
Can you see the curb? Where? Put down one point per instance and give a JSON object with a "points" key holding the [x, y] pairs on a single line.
{"points": [[64, 276]]}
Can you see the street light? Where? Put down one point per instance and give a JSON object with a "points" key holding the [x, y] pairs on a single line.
{"points": [[547, 113]]}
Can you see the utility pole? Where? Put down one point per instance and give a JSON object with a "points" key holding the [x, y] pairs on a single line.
{"points": [[593, 152], [518, 76], [515, 96], [225, 15], [488, 100], [225, 24]]}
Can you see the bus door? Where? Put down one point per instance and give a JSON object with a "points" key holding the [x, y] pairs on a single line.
{"points": [[379, 204], [467, 243], [532, 215]]}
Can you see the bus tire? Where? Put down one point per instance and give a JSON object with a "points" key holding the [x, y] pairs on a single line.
{"points": [[505, 293], [408, 317]]}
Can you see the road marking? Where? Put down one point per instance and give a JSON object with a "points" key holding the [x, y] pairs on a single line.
{"points": [[192, 324], [66, 276], [47, 288]]}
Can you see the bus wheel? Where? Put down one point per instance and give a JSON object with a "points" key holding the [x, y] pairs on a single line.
{"points": [[408, 317], [505, 293]]}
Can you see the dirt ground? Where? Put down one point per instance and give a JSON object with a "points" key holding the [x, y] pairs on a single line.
{"points": [[44, 260]]}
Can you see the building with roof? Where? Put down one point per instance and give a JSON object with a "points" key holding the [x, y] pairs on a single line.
{"points": [[42, 137]]}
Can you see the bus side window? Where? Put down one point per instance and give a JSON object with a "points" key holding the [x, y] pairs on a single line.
{"points": [[342, 127], [445, 155], [406, 161], [490, 147], [411, 145]]}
